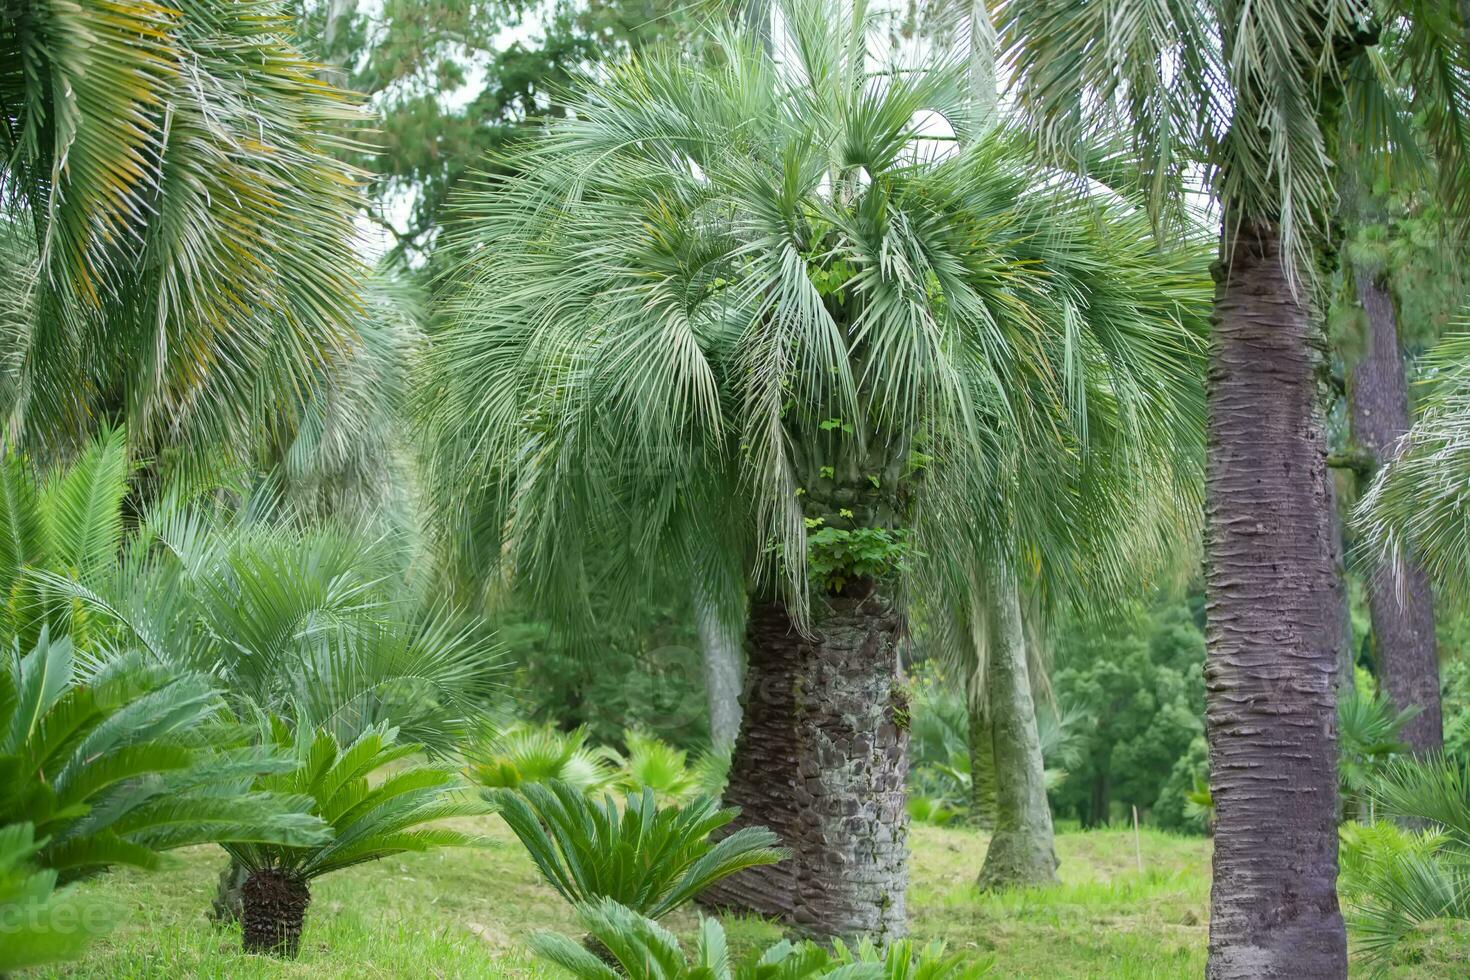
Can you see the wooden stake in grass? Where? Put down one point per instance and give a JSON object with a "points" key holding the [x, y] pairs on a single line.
{"points": [[1137, 844]]}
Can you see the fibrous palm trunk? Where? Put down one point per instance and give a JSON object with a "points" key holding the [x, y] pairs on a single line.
{"points": [[1273, 624], [1022, 850], [273, 912], [724, 671], [821, 760], [1400, 600]]}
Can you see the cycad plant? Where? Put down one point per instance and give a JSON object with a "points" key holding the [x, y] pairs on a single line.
{"points": [[41, 924], [375, 803], [641, 949], [523, 753], [177, 231], [117, 764], [737, 316], [648, 857]]}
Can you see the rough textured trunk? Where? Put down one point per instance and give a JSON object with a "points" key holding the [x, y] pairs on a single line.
{"points": [[1022, 850], [724, 671], [982, 768], [821, 760], [1272, 629], [1400, 600], [229, 895], [273, 913], [1345, 659]]}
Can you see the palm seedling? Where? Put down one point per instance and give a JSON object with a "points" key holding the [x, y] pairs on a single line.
{"points": [[647, 857], [374, 802], [523, 753], [41, 924], [117, 765], [1396, 880], [653, 763], [641, 949]]}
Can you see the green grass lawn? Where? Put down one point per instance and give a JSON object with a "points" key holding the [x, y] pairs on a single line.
{"points": [[463, 913]]}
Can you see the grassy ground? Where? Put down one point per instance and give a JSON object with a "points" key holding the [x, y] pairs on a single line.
{"points": [[465, 913]]}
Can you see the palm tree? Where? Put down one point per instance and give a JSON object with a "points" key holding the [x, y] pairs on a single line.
{"points": [[1252, 94], [176, 233], [741, 311]]}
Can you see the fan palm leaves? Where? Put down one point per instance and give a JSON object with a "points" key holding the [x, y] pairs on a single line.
{"points": [[738, 291], [647, 857], [1416, 505], [367, 821], [316, 621], [178, 224], [120, 765]]}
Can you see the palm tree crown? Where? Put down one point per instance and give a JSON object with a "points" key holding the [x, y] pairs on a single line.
{"points": [[744, 310]]}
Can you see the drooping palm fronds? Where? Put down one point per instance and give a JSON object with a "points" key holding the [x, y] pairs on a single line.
{"points": [[1246, 93], [1417, 505], [117, 766], [715, 297], [176, 216], [650, 858]]}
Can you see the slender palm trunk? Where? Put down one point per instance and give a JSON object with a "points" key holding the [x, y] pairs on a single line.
{"points": [[724, 671], [1273, 624], [1400, 600], [1022, 850], [982, 767], [273, 913], [821, 760]]}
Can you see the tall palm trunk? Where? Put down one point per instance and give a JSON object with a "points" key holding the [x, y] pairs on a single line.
{"points": [[1022, 849], [724, 673], [821, 760], [1273, 624], [1400, 600]]}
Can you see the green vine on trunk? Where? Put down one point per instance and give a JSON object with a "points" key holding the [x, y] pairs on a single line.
{"points": [[837, 556]]}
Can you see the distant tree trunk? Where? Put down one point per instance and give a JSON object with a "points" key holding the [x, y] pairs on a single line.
{"points": [[1099, 806], [1022, 850], [982, 767], [1272, 630], [757, 17], [821, 760], [1400, 600], [724, 670], [1345, 660]]}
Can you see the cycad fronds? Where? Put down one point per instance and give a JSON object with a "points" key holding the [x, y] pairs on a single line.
{"points": [[650, 858], [644, 950], [42, 925], [371, 813], [118, 766]]}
